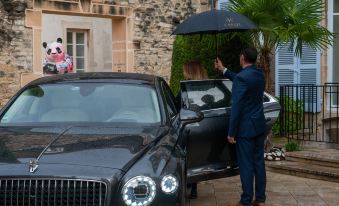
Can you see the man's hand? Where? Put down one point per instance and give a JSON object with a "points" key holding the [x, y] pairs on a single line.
{"points": [[219, 65], [231, 140]]}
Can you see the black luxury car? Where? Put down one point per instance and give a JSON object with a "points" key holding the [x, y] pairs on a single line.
{"points": [[109, 139]]}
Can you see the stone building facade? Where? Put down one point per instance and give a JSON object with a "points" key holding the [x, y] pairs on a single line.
{"points": [[120, 35], [16, 55]]}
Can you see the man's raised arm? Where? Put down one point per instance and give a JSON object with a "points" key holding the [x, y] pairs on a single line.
{"points": [[226, 72]]}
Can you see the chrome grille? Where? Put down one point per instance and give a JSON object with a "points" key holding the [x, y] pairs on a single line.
{"points": [[52, 192]]}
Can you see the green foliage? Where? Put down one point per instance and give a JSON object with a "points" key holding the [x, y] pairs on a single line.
{"points": [[282, 21], [293, 119], [203, 48], [276, 128], [292, 146], [178, 59]]}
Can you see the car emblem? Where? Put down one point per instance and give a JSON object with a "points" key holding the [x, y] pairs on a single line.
{"points": [[33, 166]]}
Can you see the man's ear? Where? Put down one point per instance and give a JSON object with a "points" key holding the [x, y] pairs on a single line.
{"points": [[44, 45], [59, 40]]}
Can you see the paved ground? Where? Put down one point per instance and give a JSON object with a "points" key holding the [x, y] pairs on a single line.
{"points": [[282, 190]]}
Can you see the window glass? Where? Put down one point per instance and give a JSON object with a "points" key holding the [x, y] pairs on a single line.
{"points": [[335, 58], [80, 50], [335, 49], [336, 6], [228, 84], [69, 37], [70, 50], [80, 64], [70, 43], [80, 38], [85, 102], [205, 95]]}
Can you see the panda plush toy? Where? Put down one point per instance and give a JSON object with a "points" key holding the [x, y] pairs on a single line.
{"points": [[56, 61]]}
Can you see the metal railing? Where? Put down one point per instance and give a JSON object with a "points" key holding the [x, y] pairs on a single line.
{"points": [[310, 112]]}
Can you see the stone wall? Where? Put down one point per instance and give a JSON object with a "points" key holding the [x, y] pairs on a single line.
{"points": [[15, 47], [154, 22]]}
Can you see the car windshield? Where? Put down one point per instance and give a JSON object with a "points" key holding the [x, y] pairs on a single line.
{"points": [[85, 102]]}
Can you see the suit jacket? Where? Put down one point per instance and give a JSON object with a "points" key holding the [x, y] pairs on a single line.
{"points": [[247, 114]]}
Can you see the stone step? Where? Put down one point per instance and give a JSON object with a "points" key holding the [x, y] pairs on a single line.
{"points": [[304, 170], [321, 157]]}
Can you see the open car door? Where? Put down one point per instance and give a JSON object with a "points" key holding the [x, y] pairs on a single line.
{"points": [[209, 155]]}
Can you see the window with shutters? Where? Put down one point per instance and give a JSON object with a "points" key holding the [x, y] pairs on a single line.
{"points": [[305, 70], [223, 4], [333, 53]]}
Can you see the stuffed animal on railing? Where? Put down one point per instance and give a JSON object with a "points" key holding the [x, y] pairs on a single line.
{"points": [[56, 61]]}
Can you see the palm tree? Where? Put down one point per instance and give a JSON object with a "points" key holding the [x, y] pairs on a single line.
{"points": [[283, 21]]}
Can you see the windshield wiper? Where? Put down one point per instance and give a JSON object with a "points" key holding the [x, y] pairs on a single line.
{"points": [[33, 164]]}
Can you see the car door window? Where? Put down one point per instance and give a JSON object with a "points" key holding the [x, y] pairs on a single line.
{"points": [[206, 95], [228, 84]]}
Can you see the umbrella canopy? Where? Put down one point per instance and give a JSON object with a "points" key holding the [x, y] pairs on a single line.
{"points": [[214, 22]]}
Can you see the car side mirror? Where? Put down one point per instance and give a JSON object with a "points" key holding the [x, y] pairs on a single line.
{"points": [[190, 116]]}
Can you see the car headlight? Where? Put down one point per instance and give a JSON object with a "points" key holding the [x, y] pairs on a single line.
{"points": [[139, 191], [169, 184]]}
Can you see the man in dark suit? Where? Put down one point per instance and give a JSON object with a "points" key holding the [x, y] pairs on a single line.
{"points": [[247, 126]]}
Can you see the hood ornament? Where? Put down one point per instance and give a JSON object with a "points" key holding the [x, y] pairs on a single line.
{"points": [[33, 165]]}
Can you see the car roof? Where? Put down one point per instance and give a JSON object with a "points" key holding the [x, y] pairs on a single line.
{"points": [[95, 76]]}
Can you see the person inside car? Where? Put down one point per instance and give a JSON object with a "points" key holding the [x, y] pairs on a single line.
{"points": [[194, 70]]}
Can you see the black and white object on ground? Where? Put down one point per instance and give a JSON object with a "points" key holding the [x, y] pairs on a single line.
{"points": [[275, 154]]}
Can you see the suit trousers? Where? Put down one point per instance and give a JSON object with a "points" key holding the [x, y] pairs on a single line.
{"points": [[250, 157]]}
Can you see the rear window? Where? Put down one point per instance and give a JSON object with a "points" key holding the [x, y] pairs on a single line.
{"points": [[206, 95], [85, 102]]}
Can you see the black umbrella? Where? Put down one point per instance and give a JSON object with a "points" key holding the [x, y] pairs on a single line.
{"points": [[214, 22]]}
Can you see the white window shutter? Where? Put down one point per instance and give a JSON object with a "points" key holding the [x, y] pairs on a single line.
{"points": [[223, 4], [309, 65], [285, 67], [304, 70], [309, 73]]}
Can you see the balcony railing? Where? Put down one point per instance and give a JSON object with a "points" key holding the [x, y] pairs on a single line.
{"points": [[310, 112]]}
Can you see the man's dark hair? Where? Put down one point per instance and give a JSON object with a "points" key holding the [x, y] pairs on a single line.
{"points": [[250, 55]]}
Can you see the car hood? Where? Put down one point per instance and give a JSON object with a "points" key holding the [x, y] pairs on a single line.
{"points": [[105, 147]]}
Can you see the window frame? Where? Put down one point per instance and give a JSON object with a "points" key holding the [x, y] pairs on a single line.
{"points": [[74, 48]]}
